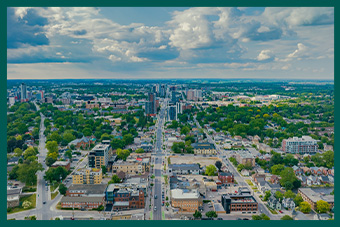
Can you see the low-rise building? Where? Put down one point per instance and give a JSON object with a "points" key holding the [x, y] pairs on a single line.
{"points": [[184, 169], [204, 148], [65, 164], [86, 190], [242, 202], [81, 202], [87, 176], [244, 157], [124, 198], [130, 168], [312, 195], [226, 177], [13, 196], [186, 201]]}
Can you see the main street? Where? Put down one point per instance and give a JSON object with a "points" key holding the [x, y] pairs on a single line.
{"points": [[159, 156], [42, 188], [237, 176]]}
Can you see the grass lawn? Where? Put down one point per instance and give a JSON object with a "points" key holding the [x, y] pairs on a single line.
{"points": [[53, 195], [271, 210], [166, 179], [54, 186], [31, 198], [249, 182]]}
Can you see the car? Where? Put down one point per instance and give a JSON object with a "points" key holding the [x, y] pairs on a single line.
{"points": [[44, 202], [219, 218], [155, 196], [155, 208], [280, 211], [235, 191]]}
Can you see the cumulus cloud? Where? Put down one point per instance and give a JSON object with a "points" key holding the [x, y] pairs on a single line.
{"points": [[233, 38], [265, 55], [25, 27], [299, 52]]}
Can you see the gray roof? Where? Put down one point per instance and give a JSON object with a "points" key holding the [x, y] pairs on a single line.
{"points": [[203, 146], [88, 188], [184, 166], [89, 199]]}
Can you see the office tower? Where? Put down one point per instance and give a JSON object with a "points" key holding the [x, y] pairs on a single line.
{"points": [[172, 113], [23, 89], [150, 105]]}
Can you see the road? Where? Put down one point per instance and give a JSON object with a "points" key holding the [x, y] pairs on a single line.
{"points": [[159, 156], [237, 176], [42, 189]]}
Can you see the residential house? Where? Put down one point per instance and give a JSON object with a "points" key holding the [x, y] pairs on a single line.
{"points": [[274, 203], [288, 203]]}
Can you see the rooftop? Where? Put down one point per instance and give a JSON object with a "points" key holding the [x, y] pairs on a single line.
{"points": [[180, 194]]}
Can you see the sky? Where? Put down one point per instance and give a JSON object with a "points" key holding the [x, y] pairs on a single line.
{"points": [[158, 42]]}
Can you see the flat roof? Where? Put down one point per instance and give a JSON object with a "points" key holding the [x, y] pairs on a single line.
{"points": [[90, 199], [180, 194]]}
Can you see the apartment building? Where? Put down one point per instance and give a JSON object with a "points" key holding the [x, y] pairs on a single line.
{"points": [[312, 195], [99, 156], [87, 176], [305, 144], [242, 202]]}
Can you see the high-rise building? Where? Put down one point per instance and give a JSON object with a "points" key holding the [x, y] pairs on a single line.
{"points": [[162, 92], [172, 113], [174, 97], [190, 94], [179, 107], [99, 156], [304, 145], [23, 88], [150, 105]]}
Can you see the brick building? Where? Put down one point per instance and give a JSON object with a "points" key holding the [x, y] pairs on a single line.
{"points": [[186, 201], [226, 177]]}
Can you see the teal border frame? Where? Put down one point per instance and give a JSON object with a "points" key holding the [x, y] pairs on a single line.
{"points": [[138, 3]]}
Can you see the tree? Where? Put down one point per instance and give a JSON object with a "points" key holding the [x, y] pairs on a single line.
{"points": [[211, 214], [104, 169], [18, 152], [55, 174], [305, 207], [298, 199], [68, 154], [128, 138], [264, 217], [328, 157], [289, 160], [62, 189], [218, 164], [289, 194], [114, 180], [256, 217], [52, 146], [267, 195], [197, 214], [122, 154], [185, 130], [287, 217], [30, 152], [55, 137], [240, 167], [26, 204], [288, 175], [276, 169], [68, 136], [211, 170], [322, 206], [139, 150], [278, 195], [27, 172]]}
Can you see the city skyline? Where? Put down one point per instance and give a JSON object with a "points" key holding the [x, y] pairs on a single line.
{"points": [[129, 43]]}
